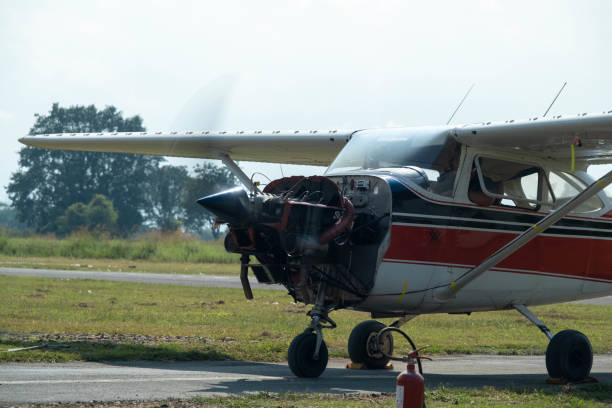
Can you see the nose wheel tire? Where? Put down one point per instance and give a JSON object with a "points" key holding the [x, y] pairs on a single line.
{"points": [[362, 346], [300, 356], [569, 355]]}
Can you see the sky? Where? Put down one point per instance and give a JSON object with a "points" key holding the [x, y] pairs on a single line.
{"points": [[240, 65]]}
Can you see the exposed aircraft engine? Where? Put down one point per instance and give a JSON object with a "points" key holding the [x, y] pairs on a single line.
{"points": [[303, 231]]}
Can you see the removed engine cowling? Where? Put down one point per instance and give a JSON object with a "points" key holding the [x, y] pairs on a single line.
{"points": [[300, 230]]}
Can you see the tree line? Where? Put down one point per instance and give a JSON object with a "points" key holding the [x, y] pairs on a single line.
{"points": [[60, 192]]}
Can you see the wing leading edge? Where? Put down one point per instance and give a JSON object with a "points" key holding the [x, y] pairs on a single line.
{"points": [[587, 139], [292, 147], [590, 135]]}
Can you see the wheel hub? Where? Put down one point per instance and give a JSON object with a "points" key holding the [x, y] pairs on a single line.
{"points": [[374, 350]]}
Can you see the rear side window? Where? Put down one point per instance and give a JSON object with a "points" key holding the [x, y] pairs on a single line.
{"points": [[564, 187]]}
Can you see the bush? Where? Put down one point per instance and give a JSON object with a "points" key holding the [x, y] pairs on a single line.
{"points": [[97, 217]]}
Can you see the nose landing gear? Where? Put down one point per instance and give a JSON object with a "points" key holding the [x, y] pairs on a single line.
{"points": [[307, 354]]}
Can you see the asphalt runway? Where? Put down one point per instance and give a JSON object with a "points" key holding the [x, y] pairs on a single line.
{"points": [[140, 277], [30, 383], [174, 279]]}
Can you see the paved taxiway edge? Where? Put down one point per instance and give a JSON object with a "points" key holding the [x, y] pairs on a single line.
{"points": [[141, 277], [142, 380]]}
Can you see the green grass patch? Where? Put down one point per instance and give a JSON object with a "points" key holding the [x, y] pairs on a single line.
{"points": [[151, 247], [219, 323], [83, 351]]}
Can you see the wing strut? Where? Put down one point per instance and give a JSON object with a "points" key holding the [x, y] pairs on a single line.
{"points": [[447, 292], [237, 171]]}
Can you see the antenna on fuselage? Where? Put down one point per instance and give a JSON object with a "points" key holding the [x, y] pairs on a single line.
{"points": [[460, 103], [555, 100]]}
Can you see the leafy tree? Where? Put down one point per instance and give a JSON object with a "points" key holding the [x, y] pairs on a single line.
{"points": [[208, 179], [97, 216], [101, 213], [74, 218], [49, 181], [165, 192], [50, 188]]}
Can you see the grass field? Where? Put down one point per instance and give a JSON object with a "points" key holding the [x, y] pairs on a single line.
{"points": [[151, 247], [179, 323]]}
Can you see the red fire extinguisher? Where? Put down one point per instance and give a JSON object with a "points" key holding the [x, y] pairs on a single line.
{"points": [[410, 387]]}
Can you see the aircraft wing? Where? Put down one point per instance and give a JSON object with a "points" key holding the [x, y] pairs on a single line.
{"points": [[292, 147], [590, 135]]}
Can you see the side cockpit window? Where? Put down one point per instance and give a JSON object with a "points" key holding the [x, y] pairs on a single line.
{"points": [[506, 183], [511, 184]]}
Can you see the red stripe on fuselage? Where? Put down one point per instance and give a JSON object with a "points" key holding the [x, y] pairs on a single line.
{"points": [[582, 257]]}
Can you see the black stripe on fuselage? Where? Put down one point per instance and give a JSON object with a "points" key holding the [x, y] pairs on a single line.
{"points": [[489, 226], [410, 208]]}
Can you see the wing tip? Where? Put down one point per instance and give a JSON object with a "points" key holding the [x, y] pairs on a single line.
{"points": [[29, 140]]}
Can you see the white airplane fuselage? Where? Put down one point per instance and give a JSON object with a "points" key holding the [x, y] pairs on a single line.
{"points": [[433, 242]]}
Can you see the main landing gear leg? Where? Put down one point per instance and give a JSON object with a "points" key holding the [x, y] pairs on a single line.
{"points": [[569, 354], [307, 353]]}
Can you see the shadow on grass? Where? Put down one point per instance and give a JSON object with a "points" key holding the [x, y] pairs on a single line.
{"points": [[58, 352]]}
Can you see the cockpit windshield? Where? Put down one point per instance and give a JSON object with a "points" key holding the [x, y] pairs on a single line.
{"points": [[430, 151]]}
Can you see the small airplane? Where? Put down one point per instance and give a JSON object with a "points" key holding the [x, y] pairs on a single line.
{"points": [[410, 221]]}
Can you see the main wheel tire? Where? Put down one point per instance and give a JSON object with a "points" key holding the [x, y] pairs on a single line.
{"points": [[300, 353], [362, 344], [553, 354], [569, 355]]}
